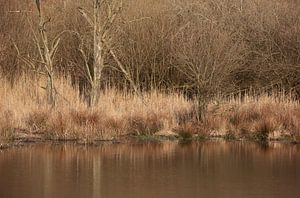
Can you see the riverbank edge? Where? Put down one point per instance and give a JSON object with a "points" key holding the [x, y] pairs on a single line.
{"points": [[131, 139]]}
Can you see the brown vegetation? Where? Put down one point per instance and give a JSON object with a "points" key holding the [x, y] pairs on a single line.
{"points": [[200, 46], [25, 113], [263, 117], [190, 52]]}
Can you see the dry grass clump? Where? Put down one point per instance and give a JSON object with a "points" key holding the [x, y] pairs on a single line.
{"points": [[7, 127], [36, 121], [85, 117], [263, 117], [145, 125], [193, 129]]}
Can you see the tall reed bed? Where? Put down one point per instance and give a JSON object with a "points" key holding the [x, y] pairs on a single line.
{"points": [[23, 109]]}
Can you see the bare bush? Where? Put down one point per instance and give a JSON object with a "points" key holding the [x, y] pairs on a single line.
{"points": [[200, 47]]}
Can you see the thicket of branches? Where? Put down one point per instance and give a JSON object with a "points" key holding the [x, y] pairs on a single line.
{"points": [[199, 46]]}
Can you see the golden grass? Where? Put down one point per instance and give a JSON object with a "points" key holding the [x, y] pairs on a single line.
{"points": [[264, 116], [117, 113], [24, 110]]}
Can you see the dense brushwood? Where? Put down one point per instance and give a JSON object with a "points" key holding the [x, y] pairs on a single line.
{"points": [[199, 46]]}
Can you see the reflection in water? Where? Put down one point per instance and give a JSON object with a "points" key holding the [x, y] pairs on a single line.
{"points": [[210, 169]]}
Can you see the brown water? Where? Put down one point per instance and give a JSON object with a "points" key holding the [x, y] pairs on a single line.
{"points": [[211, 169]]}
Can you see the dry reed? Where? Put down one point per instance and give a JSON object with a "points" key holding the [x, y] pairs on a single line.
{"points": [[117, 113], [25, 112]]}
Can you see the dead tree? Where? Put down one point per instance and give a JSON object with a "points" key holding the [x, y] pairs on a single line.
{"points": [[46, 50], [102, 20]]}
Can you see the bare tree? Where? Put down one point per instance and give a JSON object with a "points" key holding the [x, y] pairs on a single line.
{"points": [[207, 64], [101, 27], [47, 50], [102, 20]]}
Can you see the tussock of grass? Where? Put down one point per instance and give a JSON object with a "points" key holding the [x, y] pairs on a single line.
{"points": [[263, 117], [6, 124], [145, 125]]}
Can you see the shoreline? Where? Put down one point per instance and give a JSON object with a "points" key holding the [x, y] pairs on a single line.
{"points": [[26, 116], [132, 139], [175, 73]]}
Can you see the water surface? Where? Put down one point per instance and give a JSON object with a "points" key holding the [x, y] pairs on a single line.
{"points": [[166, 170]]}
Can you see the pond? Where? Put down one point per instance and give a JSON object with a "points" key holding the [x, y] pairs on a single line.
{"points": [[142, 170]]}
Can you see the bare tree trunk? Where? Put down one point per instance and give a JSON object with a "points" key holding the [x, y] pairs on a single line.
{"points": [[201, 107], [101, 29], [94, 94], [50, 89], [98, 64], [202, 102], [47, 50]]}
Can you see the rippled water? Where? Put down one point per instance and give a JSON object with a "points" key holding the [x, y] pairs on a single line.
{"points": [[210, 169]]}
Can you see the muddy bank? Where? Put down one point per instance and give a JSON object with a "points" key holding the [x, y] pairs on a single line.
{"points": [[23, 139]]}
